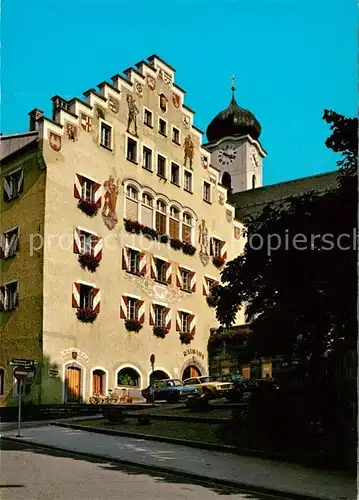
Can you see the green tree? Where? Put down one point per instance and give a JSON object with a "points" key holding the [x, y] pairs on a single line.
{"points": [[301, 296]]}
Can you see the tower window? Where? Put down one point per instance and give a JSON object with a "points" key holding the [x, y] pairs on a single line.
{"points": [[253, 181], [227, 180]]}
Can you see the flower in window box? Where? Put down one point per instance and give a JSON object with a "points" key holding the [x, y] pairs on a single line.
{"points": [[163, 238], [86, 315], [186, 337], [149, 232], [188, 249], [89, 261], [133, 325], [90, 208], [212, 301], [218, 261], [132, 226], [176, 244], [160, 331]]}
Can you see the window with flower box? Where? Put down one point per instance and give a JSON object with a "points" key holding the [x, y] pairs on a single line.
{"points": [[87, 243], [174, 224], [132, 308], [86, 297], [186, 279], [88, 192], [161, 217], [147, 210], [131, 206], [187, 228]]}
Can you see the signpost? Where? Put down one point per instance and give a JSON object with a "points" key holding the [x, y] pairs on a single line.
{"points": [[21, 371], [152, 361]]}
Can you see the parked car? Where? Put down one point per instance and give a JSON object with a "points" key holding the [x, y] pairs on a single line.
{"points": [[240, 386], [205, 384], [170, 390]]}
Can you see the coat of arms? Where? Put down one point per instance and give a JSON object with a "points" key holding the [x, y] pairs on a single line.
{"points": [[110, 199], [55, 141], [237, 233], [186, 121], [71, 131], [139, 89], [176, 100], [151, 82]]}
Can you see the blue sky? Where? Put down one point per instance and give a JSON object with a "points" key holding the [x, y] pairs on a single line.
{"points": [[291, 58]]}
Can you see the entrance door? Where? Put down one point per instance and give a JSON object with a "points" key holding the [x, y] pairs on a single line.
{"points": [[73, 384], [191, 372], [98, 382]]}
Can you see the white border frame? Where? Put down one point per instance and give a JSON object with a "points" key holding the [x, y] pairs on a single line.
{"points": [[83, 370], [158, 127], [180, 136], [210, 201], [136, 140], [133, 367], [143, 117], [91, 381], [102, 121]]}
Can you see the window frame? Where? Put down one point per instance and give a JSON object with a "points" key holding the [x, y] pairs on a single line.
{"points": [[161, 271], [131, 306], [185, 319], [161, 120], [84, 298], [13, 245], [208, 185], [145, 111], [159, 155], [161, 315], [14, 303], [179, 135], [106, 125], [190, 176], [178, 183], [14, 178], [134, 141], [150, 150]]}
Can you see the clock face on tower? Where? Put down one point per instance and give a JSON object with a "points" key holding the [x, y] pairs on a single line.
{"points": [[227, 155], [255, 159]]}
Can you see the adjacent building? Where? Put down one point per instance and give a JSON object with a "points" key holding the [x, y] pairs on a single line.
{"points": [[115, 224]]}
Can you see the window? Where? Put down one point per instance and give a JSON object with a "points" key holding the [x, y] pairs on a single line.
{"points": [[147, 210], [161, 266], [188, 181], [207, 192], [147, 118], [132, 309], [128, 377], [147, 158], [133, 261], [211, 283], [131, 203], [87, 241], [10, 296], [175, 135], [216, 247], [13, 185], [87, 193], [185, 322], [161, 166], [10, 242], [160, 319], [174, 223], [162, 127], [2, 381], [106, 135], [187, 228], [161, 217], [186, 279], [131, 150], [86, 297], [175, 174], [253, 181], [227, 180]]}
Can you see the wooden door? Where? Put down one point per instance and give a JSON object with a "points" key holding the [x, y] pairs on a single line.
{"points": [[98, 382], [194, 372], [73, 384]]}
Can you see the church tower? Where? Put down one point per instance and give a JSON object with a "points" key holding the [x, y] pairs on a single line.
{"points": [[233, 141]]}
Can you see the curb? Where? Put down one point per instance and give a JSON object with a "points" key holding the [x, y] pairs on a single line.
{"points": [[246, 488], [182, 442]]}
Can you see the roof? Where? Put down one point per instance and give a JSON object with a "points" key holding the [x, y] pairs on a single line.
{"points": [[252, 201], [10, 144]]}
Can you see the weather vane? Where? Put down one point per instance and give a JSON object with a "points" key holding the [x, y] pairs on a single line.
{"points": [[233, 85]]}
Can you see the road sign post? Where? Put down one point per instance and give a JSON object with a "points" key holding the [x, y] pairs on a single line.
{"points": [[20, 373], [152, 361]]}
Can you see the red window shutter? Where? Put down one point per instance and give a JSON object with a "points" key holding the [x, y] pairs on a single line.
{"points": [[167, 314], [77, 241], [96, 298], [193, 282], [123, 307], [152, 314], [178, 321], [169, 272], [97, 191], [140, 306], [76, 294], [125, 262], [97, 247], [154, 267], [78, 186], [142, 267]]}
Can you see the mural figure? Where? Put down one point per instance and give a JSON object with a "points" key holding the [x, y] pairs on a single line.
{"points": [[203, 238], [188, 151], [71, 131], [110, 199], [132, 114]]}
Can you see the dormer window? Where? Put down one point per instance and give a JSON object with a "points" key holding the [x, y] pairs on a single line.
{"points": [[13, 185]]}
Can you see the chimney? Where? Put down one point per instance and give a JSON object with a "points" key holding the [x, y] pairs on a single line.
{"points": [[58, 103], [35, 114]]}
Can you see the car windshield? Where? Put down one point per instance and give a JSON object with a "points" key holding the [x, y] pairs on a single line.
{"points": [[237, 377], [205, 380]]}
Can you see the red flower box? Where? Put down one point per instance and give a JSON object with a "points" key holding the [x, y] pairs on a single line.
{"points": [[133, 325], [218, 261], [160, 331], [89, 261], [86, 315], [186, 337], [90, 208]]}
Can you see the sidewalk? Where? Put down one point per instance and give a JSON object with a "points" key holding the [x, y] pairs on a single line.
{"points": [[243, 471]]}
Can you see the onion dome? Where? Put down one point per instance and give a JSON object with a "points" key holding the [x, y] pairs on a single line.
{"points": [[233, 121]]}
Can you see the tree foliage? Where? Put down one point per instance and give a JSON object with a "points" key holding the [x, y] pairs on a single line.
{"points": [[297, 274]]}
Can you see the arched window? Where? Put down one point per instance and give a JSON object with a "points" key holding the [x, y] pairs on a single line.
{"points": [[131, 203], [161, 217], [227, 180], [174, 222], [187, 228], [128, 377], [253, 181], [147, 210]]}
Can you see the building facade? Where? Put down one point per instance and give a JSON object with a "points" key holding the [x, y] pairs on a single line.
{"points": [[115, 225]]}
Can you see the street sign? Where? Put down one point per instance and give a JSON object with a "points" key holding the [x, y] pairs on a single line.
{"points": [[20, 373], [22, 362]]}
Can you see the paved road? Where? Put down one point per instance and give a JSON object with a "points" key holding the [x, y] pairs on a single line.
{"points": [[31, 473]]}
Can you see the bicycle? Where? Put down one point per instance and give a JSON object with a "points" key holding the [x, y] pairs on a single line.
{"points": [[97, 398]]}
